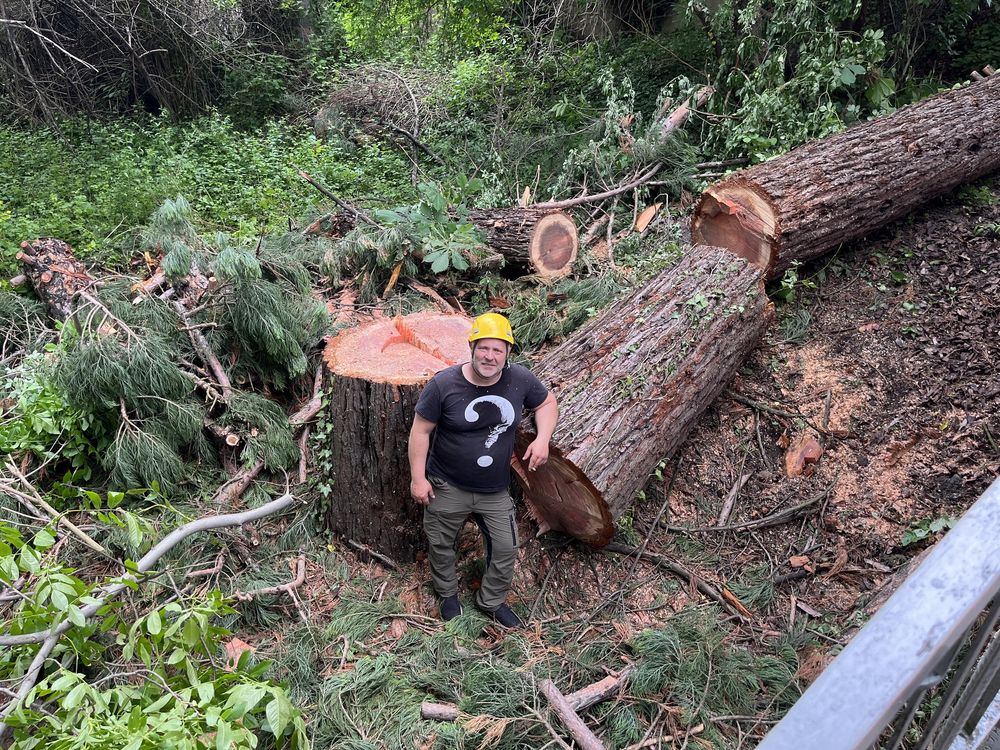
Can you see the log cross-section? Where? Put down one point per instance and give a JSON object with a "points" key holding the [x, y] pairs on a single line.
{"points": [[379, 368], [805, 203]]}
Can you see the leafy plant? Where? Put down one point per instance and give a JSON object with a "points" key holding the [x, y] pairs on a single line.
{"points": [[921, 530]]}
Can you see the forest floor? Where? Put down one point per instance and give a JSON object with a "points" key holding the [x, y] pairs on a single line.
{"points": [[887, 357]]}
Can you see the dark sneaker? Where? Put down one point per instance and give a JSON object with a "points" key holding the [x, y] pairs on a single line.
{"points": [[504, 615], [450, 607]]}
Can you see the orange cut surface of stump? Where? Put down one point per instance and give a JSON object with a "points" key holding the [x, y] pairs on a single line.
{"points": [[400, 351]]}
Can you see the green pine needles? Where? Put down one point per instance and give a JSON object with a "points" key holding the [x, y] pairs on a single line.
{"points": [[144, 368]]}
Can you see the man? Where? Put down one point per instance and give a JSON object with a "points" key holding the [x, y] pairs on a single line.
{"points": [[460, 447]]}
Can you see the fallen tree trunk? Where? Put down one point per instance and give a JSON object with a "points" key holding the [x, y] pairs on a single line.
{"points": [[379, 368], [810, 200], [633, 382], [55, 274], [542, 241]]}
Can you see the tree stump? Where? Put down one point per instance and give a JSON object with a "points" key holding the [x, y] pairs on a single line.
{"points": [[633, 382], [810, 200], [378, 369]]}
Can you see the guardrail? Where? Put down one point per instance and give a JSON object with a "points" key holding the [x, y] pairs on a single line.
{"points": [[924, 673]]}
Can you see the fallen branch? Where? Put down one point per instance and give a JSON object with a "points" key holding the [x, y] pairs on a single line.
{"points": [[676, 119], [580, 731], [19, 280], [660, 741], [774, 519], [579, 700], [49, 638], [340, 202], [672, 566], [205, 352], [214, 570], [364, 549], [58, 517], [284, 588]]}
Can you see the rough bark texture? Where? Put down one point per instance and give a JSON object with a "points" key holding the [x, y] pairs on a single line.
{"points": [[812, 199], [370, 498], [544, 241], [379, 368], [55, 274], [632, 383]]}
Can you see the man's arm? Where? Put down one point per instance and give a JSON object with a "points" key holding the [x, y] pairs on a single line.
{"points": [[417, 449], [546, 416]]}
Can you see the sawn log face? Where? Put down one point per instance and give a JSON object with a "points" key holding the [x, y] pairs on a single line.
{"points": [[843, 187], [633, 382]]}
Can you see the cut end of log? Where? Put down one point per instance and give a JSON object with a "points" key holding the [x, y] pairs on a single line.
{"points": [[560, 497], [400, 351], [554, 245], [735, 215]]}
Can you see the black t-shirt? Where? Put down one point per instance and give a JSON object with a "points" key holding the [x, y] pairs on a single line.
{"points": [[474, 437]]}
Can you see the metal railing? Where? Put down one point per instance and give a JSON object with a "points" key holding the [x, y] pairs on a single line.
{"points": [[924, 673]]}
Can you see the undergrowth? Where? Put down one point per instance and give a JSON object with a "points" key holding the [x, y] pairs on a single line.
{"points": [[362, 674]]}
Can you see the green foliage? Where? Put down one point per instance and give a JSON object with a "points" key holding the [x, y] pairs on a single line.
{"points": [[692, 661], [436, 231], [920, 531], [183, 698], [790, 284], [42, 421], [787, 73], [102, 181]]}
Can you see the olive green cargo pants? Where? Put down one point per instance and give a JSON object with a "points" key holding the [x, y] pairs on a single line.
{"points": [[494, 514]]}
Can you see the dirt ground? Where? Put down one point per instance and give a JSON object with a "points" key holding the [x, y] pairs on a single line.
{"points": [[888, 358]]}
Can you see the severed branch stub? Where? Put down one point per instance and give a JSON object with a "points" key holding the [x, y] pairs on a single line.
{"points": [[585, 738]]}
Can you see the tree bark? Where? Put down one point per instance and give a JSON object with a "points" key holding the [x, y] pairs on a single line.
{"points": [[542, 241], [580, 731], [633, 382], [55, 275], [379, 368], [838, 189]]}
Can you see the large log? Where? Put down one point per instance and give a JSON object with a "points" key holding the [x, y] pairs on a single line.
{"points": [[542, 241], [810, 200], [379, 368], [632, 383]]}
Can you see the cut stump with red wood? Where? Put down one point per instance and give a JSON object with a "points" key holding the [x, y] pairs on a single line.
{"points": [[805, 203], [632, 383], [379, 368]]}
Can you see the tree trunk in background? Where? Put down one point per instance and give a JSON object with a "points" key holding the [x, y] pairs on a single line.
{"points": [[838, 189], [543, 242], [55, 275], [633, 382], [378, 370]]}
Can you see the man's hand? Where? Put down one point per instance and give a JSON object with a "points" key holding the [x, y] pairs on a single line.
{"points": [[422, 491], [537, 453]]}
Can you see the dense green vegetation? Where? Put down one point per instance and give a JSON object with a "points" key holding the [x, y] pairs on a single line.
{"points": [[184, 152]]}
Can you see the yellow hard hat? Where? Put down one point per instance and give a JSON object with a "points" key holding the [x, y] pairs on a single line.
{"points": [[491, 326]]}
